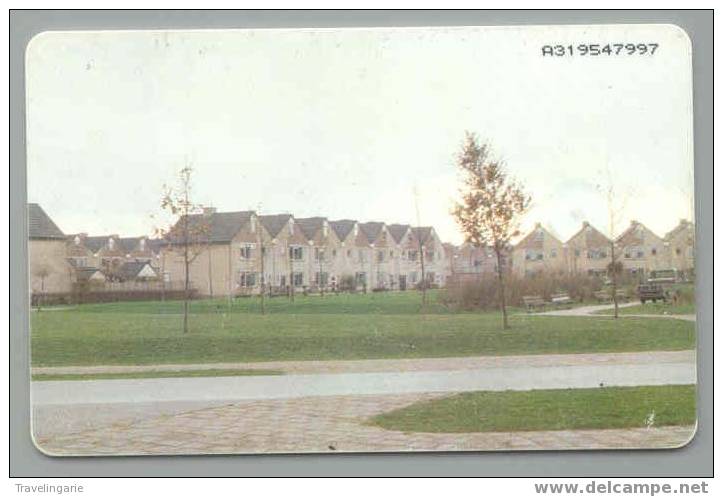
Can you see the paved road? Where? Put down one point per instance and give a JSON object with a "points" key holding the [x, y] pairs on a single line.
{"points": [[320, 385]]}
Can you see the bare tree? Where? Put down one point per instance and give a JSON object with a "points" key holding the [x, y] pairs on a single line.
{"points": [[420, 246], [188, 237], [42, 272], [491, 207], [262, 256], [615, 203]]}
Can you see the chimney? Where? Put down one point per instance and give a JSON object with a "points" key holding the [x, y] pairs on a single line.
{"points": [[207, 211]]}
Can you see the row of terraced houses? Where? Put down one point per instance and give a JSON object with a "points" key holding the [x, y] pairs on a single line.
{"points": [[243, 252]]}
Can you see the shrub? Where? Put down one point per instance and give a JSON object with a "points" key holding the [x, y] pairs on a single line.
{"points": [[483, 293]]}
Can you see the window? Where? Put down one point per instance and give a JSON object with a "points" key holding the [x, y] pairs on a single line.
{"points": [[430, 255], [247, 279], [297, 278], [360, 278], [296, 253], [245, 251], [553, 253], [412, 255], [333, 253], [653, 251], [677, 251], [533, 255], [362, 256], [348, 253], [319, 254], [380, 256], [413, 277], [321, 278], [577, 253], [391, 254]]}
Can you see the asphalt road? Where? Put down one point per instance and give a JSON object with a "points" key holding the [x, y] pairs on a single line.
{"points": [[232, 388]]}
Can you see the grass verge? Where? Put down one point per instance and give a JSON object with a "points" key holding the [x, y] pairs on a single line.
{"points": [[565, 409], [372, 326], [653, 308], [196, 373]]}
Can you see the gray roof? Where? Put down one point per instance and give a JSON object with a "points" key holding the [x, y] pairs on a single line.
{"points": [[84, 273], [371, 230], [217, 227], [342, 227], [129, 244], [274, 223], [310, 226], [397, 231], [95, 243], [422, 233], [40, 226], [129, 270], [155, 244]]}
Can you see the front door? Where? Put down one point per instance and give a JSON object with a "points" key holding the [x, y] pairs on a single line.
{"points": [[402, 281]]}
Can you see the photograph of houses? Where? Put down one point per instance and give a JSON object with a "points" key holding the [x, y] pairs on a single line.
{"points": [[359, 240]]}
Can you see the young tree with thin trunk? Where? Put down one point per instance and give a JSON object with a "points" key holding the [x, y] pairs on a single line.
{"points": [[491, 207], [188, 237], [420, 246], [615, 204]]}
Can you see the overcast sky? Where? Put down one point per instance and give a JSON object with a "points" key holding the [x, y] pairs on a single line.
{"points": [[347, 123]]}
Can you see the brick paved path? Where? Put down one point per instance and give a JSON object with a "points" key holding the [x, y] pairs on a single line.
{"points": [[329, 424]]}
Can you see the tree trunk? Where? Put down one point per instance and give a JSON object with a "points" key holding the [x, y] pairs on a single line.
{"points": [[614, 278], [185, 295], [186, 279], [501, 288], [263, 281], [424, 275]]}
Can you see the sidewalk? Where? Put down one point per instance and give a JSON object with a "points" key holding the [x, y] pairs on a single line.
{"points": [[592, 310], [329, 424]]}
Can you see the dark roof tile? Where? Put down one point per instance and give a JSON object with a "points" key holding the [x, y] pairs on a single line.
{"points": [[40, 226]]}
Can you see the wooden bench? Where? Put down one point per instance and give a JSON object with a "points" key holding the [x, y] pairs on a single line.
{"points": [[561, 299], [603, 297], [622, 295], [533, 302]]}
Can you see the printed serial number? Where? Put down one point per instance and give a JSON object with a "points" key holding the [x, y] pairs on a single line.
{"points": [[585, 49]]}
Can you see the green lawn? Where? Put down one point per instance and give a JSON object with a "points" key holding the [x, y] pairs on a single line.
{"points": [[195, 373], [381, 325], [571, 409], [654, 308]]}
